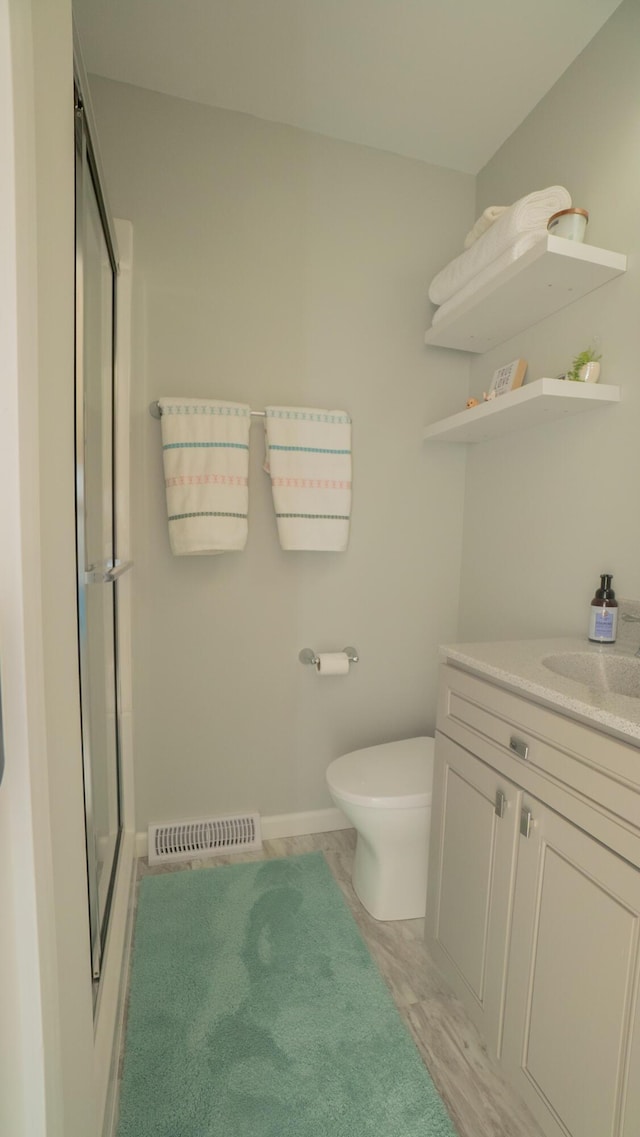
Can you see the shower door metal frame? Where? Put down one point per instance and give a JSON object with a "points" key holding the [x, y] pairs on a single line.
{"points": [[88, 576]]}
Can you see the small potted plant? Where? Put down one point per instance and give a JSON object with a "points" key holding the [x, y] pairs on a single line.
{"points": [[585, 367]]}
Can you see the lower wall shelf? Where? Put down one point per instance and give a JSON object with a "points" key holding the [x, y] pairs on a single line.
{"points": [[541, 401]]}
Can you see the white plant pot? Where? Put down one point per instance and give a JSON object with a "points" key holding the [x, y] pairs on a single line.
{"points": [[590, 373]]}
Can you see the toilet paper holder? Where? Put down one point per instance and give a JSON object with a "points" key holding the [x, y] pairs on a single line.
{"points": [[308, 655]]}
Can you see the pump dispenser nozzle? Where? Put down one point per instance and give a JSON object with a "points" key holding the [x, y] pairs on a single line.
{"points": [[605, 591]]}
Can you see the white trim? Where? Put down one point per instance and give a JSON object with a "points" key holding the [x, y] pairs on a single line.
{"points": [[30, 1068], [284, 825], [113, 991], [301, 824], [124, 234], [142, 844]]}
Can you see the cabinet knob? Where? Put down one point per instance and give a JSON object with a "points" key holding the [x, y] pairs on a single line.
{"points": [[519, 747], [501, 803]]}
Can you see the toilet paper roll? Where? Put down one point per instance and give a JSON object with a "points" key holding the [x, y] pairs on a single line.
{"points": [[333, 663]]}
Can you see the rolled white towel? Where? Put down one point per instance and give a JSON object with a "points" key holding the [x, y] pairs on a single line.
{"points": [[519, 247], [484, 222], [529, 213]]}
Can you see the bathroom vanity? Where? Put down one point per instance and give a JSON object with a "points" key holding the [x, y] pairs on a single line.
{"points": [[533, 907]]}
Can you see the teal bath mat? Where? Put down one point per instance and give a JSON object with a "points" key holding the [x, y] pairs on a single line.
{"points": [[257, 1011]]}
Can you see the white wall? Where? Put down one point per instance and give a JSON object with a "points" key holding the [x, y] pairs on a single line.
{"points": [[273, 265], [46, 1028], [549, 509]]}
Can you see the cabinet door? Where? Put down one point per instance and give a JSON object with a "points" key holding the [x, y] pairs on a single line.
{"points": [[471, 876], [569, 1045]]}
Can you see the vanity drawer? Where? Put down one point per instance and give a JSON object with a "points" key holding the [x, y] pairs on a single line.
{"points": [[502, 727]]}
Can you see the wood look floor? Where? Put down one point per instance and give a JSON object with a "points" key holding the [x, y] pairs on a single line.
{"points": [[477, 1097]]}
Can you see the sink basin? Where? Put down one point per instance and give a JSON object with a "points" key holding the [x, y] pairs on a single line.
{"points": [[605, 673]]}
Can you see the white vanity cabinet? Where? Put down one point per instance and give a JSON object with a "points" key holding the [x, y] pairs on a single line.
{"points": [[533, 910], [573, 967], [474, 826]]}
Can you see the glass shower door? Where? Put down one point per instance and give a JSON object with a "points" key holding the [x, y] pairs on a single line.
{"points": [[98, 567]]}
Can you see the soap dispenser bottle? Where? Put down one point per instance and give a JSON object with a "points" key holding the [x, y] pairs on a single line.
{"points": [[603, 621]]}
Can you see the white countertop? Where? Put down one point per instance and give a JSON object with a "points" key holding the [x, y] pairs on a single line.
{"points": [[517, 664]]}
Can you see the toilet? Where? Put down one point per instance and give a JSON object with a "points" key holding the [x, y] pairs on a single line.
{"points": [[385, 791]]}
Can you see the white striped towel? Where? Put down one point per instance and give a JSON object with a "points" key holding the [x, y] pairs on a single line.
{"points": [[205, 449], [308, 456]]}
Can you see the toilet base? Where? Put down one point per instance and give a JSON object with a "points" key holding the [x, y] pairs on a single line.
{"points": [[394, 886], [385, 791]]}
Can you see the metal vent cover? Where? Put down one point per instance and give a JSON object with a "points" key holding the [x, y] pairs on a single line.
{"points": [[184, 840]]}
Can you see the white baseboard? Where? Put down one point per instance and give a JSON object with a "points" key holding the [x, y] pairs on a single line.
{"points": [[284, 825], [300, 824]]}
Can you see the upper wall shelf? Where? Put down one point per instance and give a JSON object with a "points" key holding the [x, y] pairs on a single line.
{"points": [[552, 274], [535, 403]]}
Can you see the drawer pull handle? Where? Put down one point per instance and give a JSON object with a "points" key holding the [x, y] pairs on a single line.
{"points": [[519, 747], [501, 803], [526, 821]]}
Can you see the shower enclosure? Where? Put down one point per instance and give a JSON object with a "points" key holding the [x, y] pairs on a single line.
{"points": [[99, 568]]}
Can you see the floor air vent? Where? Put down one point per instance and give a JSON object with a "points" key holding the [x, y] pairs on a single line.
{"points": [[182, 841]]}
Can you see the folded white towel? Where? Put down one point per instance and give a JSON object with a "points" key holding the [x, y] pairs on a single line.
{"points": [[529, 213], [205, 449], [517, 249], [484, 222], [308, 455]]}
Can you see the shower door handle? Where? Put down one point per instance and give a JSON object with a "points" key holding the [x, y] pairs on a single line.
{"points": [[107, 576], [117, 571]]}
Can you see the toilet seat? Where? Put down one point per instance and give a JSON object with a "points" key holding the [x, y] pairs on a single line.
{"points": [[395, 775]]}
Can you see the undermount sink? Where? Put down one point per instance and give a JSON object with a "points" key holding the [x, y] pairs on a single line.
{"points": [[614, 673]]}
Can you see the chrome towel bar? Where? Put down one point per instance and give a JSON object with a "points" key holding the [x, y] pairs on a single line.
{"points": [[155, 412]]}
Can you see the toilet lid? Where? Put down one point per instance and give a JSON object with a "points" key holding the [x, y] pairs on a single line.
{"points": [[395, 774]]}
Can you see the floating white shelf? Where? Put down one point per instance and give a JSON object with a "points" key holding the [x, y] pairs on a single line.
{"points": [[535, 403], [545, 279]]}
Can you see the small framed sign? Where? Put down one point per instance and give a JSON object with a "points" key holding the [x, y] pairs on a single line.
{"points": [[507, 378]]}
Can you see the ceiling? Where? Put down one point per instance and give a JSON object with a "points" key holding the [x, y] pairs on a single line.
{"points": [[445, 81]]}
